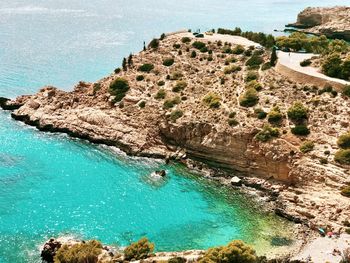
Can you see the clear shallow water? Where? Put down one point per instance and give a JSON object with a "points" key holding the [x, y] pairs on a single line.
{"points": [[50, 184]]}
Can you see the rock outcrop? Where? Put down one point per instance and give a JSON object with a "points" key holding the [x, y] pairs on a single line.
{"points": [[332, 22]]}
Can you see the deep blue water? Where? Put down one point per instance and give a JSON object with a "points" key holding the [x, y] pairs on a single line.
{"points": [[52, 185]]}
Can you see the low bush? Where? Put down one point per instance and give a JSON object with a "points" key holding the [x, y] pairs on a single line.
{"points": [[253, 84], [185, 40], [161, 94], [342, 156], [142, 104], [346, 90], [260, 113], [87, 252], [305, 63], [232, 69], [267, 133], [177, 260], [176, 114], [176, 75], [301, 130], [140, 77], [161, 83], [179, 86], [118, 88], [297, 112], [266, 66], [275, 116], [237, 50], [154, 43], [344, 141], [346, 191], [252, 75], [233, 122], [307, 147], [235, 252], [249, 98], [198, 45], [176, 46], [168, 62], [193, 54], [146, 67], [254, 61], [168, 104], [212, 100], [139, 250]]}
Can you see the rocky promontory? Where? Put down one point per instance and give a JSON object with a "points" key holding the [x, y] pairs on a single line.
{"points": [[215, 100], [333, 22]]}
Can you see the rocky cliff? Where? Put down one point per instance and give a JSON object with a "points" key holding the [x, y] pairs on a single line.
{"points": [[187, 104], [332, 22]]}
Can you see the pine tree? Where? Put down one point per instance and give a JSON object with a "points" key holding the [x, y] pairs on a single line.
{"points": [[130, 60], [274, 58], [124, 64], [144, 46]]}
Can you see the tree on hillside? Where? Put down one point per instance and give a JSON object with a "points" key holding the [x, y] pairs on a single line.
{"points": [[124, 64], [274, 58]]}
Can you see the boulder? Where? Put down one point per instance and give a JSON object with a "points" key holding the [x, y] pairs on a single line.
{"points": [[235, 181]]}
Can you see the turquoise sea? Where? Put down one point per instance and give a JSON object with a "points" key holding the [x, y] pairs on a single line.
{"points": [[53, 185]]}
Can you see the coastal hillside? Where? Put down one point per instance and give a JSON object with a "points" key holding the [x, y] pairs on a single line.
{"points": [[219, 100], [332, 22]]}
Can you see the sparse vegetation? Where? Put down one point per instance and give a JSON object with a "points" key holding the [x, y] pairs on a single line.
{"points": [[235, 252], [301, 130], [249, 98], [139, 250], [307, 146], [267, 133], [305, 63], [146, 67], [140, 77], [118, 88], [79, 253], [185, 40], [168, 104], [179, 86], [346, 191], [275, 116], [168, 62], [297, 112], [198, 45], [344, 141], [176, 114], [342, 156], [232, 69], [212, 100], [161, 94]]}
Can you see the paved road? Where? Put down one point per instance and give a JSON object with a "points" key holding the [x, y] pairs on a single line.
{"points": [[292, 61]]}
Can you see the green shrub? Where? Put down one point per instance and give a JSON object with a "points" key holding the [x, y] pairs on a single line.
{"points": [[232, 122], [252, 75], [142, 104], [305, 63], [297, 112], [204, 49], [176, 114], [79, 253], [275, 116], [346, 191], [301, 130], [260, 114], [140, 77], [212, 100], [168, 104], [161, 94], [249, 98], [185, 40], [342, 156], [344, 141], [254, 61], [253, 84], [331, 65], [267, 133], [232, 115], [118, 88], [139, 250], [193, 54], [161, 83], [177, 260], [117, 70], [346, 90], [179, 86], [198, 44], [307, 147], [266, 66], [232, 69], [177, 46], [238, 50], [154, 43], [168, 62], [146, 67], [235, 252], [176, 75]]}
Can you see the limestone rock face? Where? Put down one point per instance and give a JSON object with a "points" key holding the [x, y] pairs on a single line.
{"points": [[333, 22]]}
